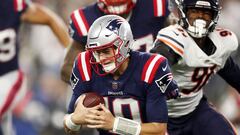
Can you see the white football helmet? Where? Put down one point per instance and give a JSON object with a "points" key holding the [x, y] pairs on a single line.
{"points": [[109, 31], [199, 28], [117, 7]]}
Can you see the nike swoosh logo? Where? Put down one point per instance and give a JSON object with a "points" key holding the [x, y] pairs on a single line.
{"points": [[175, 33], [108, 35], [164, 68]]}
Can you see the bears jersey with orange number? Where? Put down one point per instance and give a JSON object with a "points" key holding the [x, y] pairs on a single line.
{"points": [[195, 67]]}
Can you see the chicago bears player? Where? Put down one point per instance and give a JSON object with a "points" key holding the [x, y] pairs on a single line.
{"points": [[146, 18], [132, 83], [12, 80], [196, 50]]}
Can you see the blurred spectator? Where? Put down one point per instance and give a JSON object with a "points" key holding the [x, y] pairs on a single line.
{"points": [[230, 107]]}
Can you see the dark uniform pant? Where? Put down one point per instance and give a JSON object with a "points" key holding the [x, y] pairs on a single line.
{"points": [[1, 133], [204, 120]]}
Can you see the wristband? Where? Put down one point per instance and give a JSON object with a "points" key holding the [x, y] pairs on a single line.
{"points": [[70, 124]]}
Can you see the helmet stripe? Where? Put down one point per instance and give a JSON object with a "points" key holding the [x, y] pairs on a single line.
{"points": [[176, 46]]}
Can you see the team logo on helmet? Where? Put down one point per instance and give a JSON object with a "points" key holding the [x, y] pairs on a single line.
{"points": [[114, 25]]}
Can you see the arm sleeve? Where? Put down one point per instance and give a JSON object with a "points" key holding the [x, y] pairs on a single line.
{"points": [[77, 85], [231, 74], [166, 51], [156, 100]]}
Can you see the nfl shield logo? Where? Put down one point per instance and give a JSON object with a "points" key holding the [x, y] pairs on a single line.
{"points": [[114, 85]]}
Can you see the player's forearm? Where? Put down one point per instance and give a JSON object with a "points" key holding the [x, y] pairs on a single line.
{"points": [[153, 129], [67, 68], [38, 14], [59, 29], [72, 52], [69, 126], [230, 73], [66, 71]]}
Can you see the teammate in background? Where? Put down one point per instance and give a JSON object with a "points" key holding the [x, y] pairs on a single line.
{"points": [[146, 18], [132, 83], [196, 50], [12, 80]]}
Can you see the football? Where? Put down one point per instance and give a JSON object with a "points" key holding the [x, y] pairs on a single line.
{"points": [[92, 99]]}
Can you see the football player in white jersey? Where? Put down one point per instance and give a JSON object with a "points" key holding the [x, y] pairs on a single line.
{"points": [[196, 50]]}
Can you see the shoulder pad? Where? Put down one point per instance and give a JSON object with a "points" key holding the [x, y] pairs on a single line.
{"points": [[150, 68], [173, 36], [80, 22], [224, 38], [83, 65]]}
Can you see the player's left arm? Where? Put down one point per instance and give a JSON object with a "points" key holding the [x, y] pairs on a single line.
{"points": [[166, 51], [231, 73], [165, 82], [156, 91], [38, 14]]}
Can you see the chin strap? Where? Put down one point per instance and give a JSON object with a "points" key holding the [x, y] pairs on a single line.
{"points": [[198, 30]]}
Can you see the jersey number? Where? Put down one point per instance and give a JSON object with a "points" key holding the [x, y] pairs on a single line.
{"points": [[143, 44], [7, 45], [128, 108], [224, 32], [200, 77]]}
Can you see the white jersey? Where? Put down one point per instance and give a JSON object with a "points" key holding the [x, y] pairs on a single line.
{"points": [[195, 67]]}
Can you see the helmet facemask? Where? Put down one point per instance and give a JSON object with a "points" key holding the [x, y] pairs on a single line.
{"points": [[108, 64], [117, 7], [199, 27]]}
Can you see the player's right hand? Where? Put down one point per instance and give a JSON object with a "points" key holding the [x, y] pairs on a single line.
{"points": [[174, 94], [81, 113]]}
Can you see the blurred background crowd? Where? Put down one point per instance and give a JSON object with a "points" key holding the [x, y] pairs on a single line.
{"points": [[42, 111]]}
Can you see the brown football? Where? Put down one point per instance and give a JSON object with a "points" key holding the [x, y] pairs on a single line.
{"points": [[92, 99]]}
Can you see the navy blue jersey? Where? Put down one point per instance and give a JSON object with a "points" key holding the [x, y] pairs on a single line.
{"points": [[147, 18], [139, 92], [10, 14]]}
